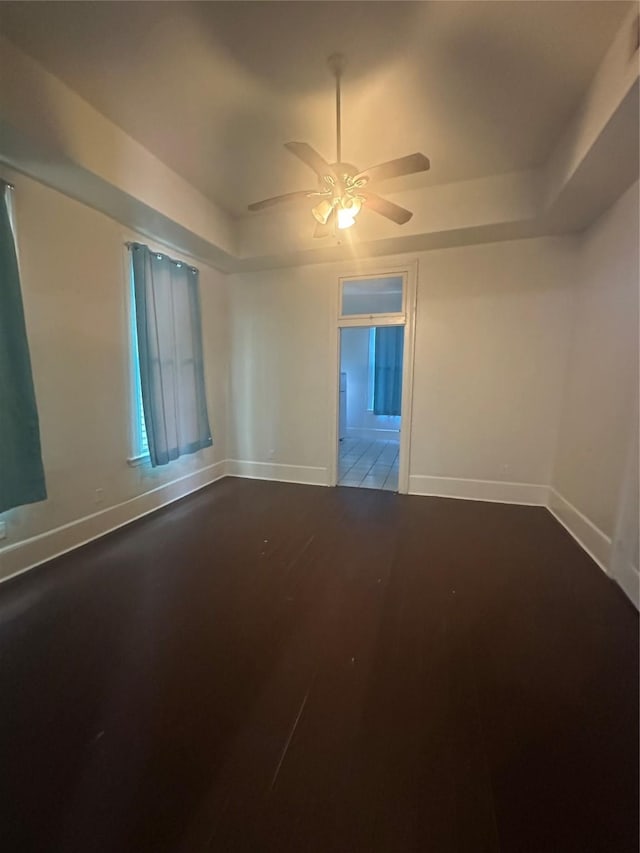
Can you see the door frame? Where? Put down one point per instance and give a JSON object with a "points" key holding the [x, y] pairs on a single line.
{"points": [[407, 318]]}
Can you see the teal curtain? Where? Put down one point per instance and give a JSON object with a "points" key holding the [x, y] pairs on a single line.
{"points": [[167, 306], [21, 470], [387, 379]]}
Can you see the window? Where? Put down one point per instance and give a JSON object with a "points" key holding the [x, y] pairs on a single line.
{"points": [[366, 296], [387, 391], [22, 473], [170, 362], [384, 370], [139, 441], [371, 369]]}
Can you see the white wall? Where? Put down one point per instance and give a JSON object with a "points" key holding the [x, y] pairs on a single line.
{"points": [[491, 345], [75, 295], [280, 349], [596, 462], [354, 361], [491, 342]]}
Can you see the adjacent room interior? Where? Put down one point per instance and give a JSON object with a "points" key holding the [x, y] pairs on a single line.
{"points": [[371, 375], [319, 373]]}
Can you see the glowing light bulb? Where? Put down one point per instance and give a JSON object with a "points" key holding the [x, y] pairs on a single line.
{"points": [[345, 218], [347, 211]]}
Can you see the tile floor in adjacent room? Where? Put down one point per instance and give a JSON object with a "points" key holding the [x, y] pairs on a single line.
{"points": [[369, 463]]}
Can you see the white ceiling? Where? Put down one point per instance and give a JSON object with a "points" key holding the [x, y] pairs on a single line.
{"points": [[214, 89]]}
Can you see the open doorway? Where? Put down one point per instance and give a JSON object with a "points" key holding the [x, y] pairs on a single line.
{"points": [[370, 406], [371, 378]]}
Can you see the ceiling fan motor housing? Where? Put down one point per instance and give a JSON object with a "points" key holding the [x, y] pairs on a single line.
{"points": [[339, 182]]}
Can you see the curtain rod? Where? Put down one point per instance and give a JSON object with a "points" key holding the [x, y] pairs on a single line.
{"points": [[8, 185], [131, 243]]}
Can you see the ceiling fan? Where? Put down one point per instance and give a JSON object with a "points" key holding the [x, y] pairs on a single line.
{"points": [[342, 188]]}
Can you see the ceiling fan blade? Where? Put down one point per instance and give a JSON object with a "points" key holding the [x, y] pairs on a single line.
{"points": [[311, 157], [268, 202], [395, 168], [386, 208], [326, 229]]}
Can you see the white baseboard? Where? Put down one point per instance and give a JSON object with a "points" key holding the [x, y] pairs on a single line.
{"points": [[628, 577], [596, 543], [372, 433], [493, 491], [304, 474], [25, 555]]}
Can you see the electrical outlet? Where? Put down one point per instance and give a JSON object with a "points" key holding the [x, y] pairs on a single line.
{"points": [[3, 529], [506, 468], [272, 453], [99, 496]]}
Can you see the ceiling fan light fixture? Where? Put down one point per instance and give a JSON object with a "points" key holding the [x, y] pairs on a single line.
{"points": [[322, 211]]}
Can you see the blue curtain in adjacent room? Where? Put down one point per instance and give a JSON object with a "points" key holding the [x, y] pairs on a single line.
{"points": [[387, 388], [167, 306], [21, 470]]}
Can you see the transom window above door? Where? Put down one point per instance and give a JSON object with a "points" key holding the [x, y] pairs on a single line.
{"points": [[366, 297]]}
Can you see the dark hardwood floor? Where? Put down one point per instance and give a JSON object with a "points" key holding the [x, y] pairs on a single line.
{"points": [[269, 667]]}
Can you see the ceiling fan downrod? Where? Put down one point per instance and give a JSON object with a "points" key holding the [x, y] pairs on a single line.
{"points": [[337, 64]]}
